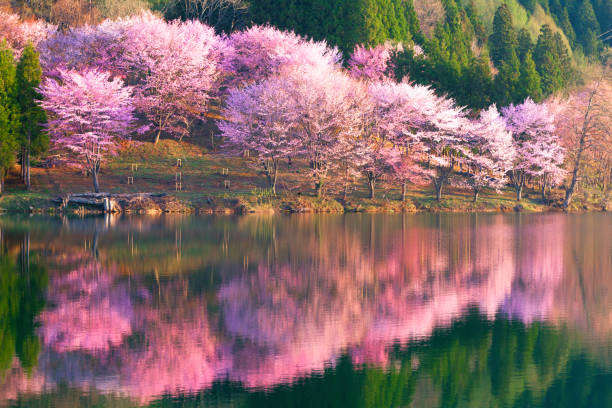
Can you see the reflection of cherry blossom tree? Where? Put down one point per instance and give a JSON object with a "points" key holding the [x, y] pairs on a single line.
{"points": [[539, 272], [90, 313], [383, 282]]}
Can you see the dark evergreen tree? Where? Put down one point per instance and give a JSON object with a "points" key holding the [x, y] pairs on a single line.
{"points": [[502, 42], [9, 112], [566, 26], [547, 62], [477, 84], [33, 139], [506, 82], [529, 80], [343, 23], [525, 44], [587, 27], [480, 31], [528, 4]]}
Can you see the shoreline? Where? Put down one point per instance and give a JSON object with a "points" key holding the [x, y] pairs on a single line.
{"points": [[202, 204]]}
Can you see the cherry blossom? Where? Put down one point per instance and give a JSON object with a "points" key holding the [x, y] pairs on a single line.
{"points": [[89, 111]]}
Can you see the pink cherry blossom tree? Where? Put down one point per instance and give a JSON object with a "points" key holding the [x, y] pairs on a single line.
{"points": [[380, 160], [373, 64], [174, 67], [257, 119], [538, 149], [427, 127], [327, 115], [262, 51], [399, 112], [19, 33], [494, 153], [89, 111], [85, 48]]}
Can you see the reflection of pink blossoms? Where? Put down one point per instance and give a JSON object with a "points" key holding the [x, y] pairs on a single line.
{"points": [[90, 313]]}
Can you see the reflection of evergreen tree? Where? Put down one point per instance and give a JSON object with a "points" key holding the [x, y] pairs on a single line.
{"points": [[22, 287]]}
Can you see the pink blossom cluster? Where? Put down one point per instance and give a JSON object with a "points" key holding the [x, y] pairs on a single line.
{"points": [[283, 96], [18, 33]]}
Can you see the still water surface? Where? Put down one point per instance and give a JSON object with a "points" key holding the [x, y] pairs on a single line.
{"points": [[307, 311]]}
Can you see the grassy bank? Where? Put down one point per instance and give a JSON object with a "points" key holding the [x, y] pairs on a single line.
{"points": [[154, 169]]}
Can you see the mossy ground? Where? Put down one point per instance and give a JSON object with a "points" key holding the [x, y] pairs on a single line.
{"points": [[154, 169]]}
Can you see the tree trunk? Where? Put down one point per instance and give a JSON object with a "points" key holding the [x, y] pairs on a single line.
{"points": [[404, 191], [274, 178], [94, 174], [372, 185], [581, 146], [22, 163], [319, 188], [438, 186], [519, 192], [27, 169], [543, 192], [157, 137], [475, 196], [1, 181]]}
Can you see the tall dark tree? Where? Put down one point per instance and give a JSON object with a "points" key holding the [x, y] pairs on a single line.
{"points": [[524, 44], [587, 27], [502, 42], [506, 82], [547, 62], [9, 111], [529, 80], [33, 139], [566, 26]]}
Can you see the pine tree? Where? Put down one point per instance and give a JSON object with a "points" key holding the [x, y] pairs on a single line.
{"points": [[547, 62], [525, 45], [563, 59], [480, 31], [587, 27], [9, 115], [529, 81], [502, 42], [566, 26], [412, 20], [477, 84], [33, 139], [506, 83]]}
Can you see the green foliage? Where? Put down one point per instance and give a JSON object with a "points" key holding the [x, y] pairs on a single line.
{"points": [[32, 116], [22, 287], [343, 23], [9, 110], [502, 42], [552, 61], [529, 80], [524, 44], [587, 27], [506, 83]]}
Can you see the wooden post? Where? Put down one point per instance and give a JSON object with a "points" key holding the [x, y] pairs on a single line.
{"points": [[178, 181], [226, 184]]}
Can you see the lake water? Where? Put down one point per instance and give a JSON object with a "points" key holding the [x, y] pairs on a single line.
{"points": [[506, 310]]}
